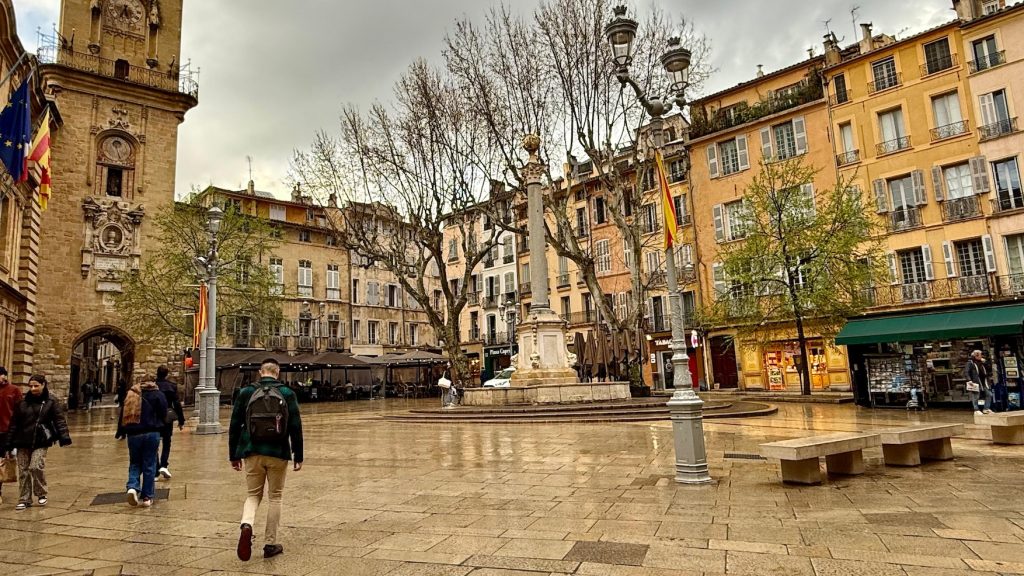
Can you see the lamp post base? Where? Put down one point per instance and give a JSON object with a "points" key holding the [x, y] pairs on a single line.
{"points": [[209, 412], [687, 409]]}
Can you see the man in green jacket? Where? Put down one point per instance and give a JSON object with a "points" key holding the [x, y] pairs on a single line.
{"points": [[265, 457]]}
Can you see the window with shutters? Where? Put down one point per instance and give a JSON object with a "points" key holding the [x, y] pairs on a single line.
{"points": [[735, 221], [373, 293], [373, 332], [970, 257], [510, 285], [279, 213], [453, 250], [305, 279], [884, 74], [913, 274], [599, 210], [627, 254], [333, 282], [785, 141], [653, 262], [1015, 261], [937, 57], [949, 121], [679, 203], [729, 154], [508, 250], [1008, 190], [602, 257], [903, 207], [277, 271], [995, 116]]}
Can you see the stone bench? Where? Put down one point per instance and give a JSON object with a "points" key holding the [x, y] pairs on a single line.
{"points": [[908, 446], [799, 456], [1007, 427]]}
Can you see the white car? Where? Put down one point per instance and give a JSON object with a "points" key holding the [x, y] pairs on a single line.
{"points": [[502, 379]]}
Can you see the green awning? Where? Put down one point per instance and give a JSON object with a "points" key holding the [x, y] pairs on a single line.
{"points": [[989, 321]]}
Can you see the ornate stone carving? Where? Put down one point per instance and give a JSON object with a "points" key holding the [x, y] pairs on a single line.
{"points": [[116, 150], [119, 119], [112, 240]]}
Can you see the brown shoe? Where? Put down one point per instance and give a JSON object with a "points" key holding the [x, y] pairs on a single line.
{"points": [[245, 543], [271, 550]]}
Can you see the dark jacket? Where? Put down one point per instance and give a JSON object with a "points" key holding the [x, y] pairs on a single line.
{"points": [[240, 445], [973, 374], [154, 409], [170, 390], [30, 415]]}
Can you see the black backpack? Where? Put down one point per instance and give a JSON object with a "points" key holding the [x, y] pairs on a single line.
{"points": [[266, 415]]}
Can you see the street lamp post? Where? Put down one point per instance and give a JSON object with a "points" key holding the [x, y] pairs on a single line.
{"points": [[209, 396], [685, 406]]}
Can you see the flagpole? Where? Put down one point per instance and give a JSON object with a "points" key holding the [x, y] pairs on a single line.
{"points": [[15, 69]]}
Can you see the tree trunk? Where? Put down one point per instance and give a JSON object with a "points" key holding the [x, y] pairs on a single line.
{"points": [[805, 371]]}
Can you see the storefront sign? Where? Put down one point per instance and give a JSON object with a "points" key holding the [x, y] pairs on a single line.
{"points": [[504, 351]]}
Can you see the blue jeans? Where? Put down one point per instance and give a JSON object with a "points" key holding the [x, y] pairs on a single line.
{"points": [[142, 450], [976, 396]]}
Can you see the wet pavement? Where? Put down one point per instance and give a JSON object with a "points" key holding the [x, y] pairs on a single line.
{"points": [[379, 497]]}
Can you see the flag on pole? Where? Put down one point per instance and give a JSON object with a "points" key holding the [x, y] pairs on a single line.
{"points": [[40, 154], [16, 132], [668, 206], [199, 321]]}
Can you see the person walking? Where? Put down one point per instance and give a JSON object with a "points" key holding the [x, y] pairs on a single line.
{"points": [[143, 414], [264, 434], [10, 397], [170, 390], [87, 396], [978, 383], [36, 424]]}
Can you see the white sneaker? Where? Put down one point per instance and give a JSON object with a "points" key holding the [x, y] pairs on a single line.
{"points": [[133, 497], [164, 473], [978, 412]]}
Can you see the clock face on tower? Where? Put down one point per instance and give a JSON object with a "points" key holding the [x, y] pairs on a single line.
{"points": [[125, 15]]}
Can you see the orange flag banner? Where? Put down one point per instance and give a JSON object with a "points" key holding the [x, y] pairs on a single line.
{"points": [[199, 321], [667, 205], [40, 154]]}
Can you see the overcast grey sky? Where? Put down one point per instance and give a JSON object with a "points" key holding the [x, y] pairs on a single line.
{"points": [[274, 72]]}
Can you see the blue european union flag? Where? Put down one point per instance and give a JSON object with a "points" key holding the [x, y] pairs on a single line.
{"points": [[16, 133]]}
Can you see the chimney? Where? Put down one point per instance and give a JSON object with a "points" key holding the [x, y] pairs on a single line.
{"points": [[832, 55], [760, 70], [866, 43], [250, 189], [332, 200], [296, 193]]}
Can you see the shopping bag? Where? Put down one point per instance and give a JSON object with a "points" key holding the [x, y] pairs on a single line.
{"points": [[8, 470], [443, 382]]}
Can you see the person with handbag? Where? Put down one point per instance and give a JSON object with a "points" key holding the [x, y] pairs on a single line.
{"points": [[143, 416], [978, 383], [175, 413], [37, 423], [10, 397]]}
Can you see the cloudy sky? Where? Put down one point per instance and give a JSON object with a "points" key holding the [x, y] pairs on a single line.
{"points": [[274, 72]]}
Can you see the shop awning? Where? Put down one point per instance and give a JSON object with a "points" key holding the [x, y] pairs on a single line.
{"points": [[990, 321]]}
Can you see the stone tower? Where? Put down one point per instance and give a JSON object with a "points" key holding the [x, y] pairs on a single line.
{"points": [[113, 73]]}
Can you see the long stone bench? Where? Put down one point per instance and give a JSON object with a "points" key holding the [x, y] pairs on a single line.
{"points": [[799, 456], [1007, 427], [908, 446]]}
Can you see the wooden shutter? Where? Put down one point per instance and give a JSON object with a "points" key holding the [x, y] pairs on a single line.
{"points": [[718, 216], [947, 257], [741, 152], [937, 183], [807, 194], [712, 151], [979, 174], [880, 197], [920, 194], [988, 109], [718, 277], [800, 134], [766, 144], [894, 272], [926, 253], [990, 255]]}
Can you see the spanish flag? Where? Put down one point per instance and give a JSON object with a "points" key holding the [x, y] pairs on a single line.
{"points": [[668, 206], [40, 154], [199, 321]]}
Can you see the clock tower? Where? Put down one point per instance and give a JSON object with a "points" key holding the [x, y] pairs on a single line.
{"points": [[114, 74]]}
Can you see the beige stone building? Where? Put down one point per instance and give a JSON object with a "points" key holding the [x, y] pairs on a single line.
{"points": [[122, 93]]}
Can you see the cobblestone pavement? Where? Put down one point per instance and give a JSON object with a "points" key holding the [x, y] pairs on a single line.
{"points": [[399, 499]]}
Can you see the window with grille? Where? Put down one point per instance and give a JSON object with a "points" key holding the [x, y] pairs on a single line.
{"points": [[884, 72], [785, 141], [970, 257], [912, 266], [730, 157], [305, 278]]}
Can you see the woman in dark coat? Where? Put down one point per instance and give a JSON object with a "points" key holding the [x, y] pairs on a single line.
{"points": [[36, 425]]}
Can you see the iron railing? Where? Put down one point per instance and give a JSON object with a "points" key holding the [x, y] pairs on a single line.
{"points": [[496, 338], [851, 157], [585, 317], [950, 130], [885, 83], [489, 263], [305, 343], [490, 301], [474, 335], [276, 343], [1007, 201], [955, 209], [334, 343], [563, 280], [176, 79], [507, 258], [891, 146], [997, 129], [841, 97], [987, 61], [963, 287], [243, 341], [904, 218], [939, 64], [524, 287], [472, 298]]}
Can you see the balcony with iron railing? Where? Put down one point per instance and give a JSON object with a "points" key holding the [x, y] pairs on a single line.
{"points": [[945, 289], [508, 258], [892, 146], [523, 247], [997, 129], [885, 82], [305, 343], [276, 342], [562, 280], [847, 158], [987, 61], [677, 176], [904, 218], [955, 209], [472, 298], [489, 263], [490, 301], [335, 344], [580, 318], [473, 335], [524, 288], [940, 64], [840, 97], [496, 339], [243, 341], [950, 130], [581, 278], [1007, 201], [179, 79]]}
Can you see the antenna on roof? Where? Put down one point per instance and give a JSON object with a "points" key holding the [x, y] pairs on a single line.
{"points": [[853, 18], [828, 30]]}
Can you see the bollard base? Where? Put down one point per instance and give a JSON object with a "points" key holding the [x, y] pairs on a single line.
{"points": [[686, 410], [209, 412]]}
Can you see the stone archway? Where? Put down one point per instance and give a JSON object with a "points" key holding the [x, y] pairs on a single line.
{"points": [[102, 356]]}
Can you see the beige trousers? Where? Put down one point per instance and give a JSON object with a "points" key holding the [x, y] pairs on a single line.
{"points": [[31, 474], [263, 471]]}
